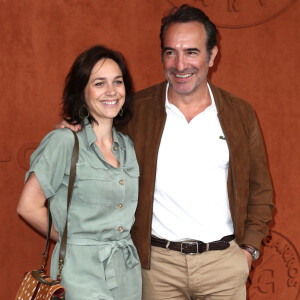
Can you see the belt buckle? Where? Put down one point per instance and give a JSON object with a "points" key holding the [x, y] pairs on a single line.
{"points": [[190, 243]]}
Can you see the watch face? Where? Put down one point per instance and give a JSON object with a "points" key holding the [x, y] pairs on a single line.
{"points": [[255, 254]]}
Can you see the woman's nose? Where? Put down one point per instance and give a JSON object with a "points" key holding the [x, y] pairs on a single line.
{"points": [[110, 89]]}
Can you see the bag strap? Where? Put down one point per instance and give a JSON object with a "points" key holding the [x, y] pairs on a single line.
{"points": [[47, 239], [63, 244]]}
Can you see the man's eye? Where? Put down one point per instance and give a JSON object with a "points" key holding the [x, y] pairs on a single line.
{"points": [[192, 53], [168, 53]]}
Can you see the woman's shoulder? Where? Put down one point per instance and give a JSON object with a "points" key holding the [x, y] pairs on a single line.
{"points": [[59, 137], [56, 142], [56, 146]]}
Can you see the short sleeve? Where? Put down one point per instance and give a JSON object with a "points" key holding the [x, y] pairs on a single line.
{"points": [[51, 160]]}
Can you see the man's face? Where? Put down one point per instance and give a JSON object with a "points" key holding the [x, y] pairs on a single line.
{"points": [[185, 59]]}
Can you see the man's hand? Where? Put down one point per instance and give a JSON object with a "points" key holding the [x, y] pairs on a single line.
{"points": [[65, 124], [248, 257]]}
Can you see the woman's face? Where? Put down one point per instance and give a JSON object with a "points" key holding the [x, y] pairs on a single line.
{"points": [[105, 90]]}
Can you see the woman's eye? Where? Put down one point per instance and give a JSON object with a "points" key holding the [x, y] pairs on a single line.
{"points": [[99, 83], [119, 82]]}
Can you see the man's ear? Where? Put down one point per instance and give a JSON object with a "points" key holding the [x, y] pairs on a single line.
{"points": [[213, 54]]}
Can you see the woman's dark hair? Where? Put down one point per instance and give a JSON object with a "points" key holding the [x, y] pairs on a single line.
{"points": [[74, 104], [184, 14]]}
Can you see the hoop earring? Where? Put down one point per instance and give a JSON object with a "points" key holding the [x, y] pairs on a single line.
{"points": [[80, 113], [121, 112]]}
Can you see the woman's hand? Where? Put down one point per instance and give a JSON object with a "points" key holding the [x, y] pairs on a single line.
{"points": [[31, 207], [65, 124]]}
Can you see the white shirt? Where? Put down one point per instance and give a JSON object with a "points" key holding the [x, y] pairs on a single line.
{"points": [[190, 197]]}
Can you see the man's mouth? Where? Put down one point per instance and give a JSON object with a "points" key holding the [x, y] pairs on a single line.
{"points": [[183, 75]]}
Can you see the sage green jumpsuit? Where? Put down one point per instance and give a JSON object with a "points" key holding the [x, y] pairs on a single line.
{"points": [[101, 261]]}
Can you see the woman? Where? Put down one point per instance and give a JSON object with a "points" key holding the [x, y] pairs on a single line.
{"points": [[101, 261]]}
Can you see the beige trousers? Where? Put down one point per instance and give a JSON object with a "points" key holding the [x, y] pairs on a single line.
{"points": [[212, 275]]}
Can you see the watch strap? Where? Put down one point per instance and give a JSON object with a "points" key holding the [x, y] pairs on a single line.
{"points": [[251, 250]]}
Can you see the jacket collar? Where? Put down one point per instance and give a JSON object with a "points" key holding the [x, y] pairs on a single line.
{"points": [[219, 98], [160, 96]]}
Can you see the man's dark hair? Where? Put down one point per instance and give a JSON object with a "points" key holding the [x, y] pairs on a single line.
{"points": [[185, 14], [74, 104]]}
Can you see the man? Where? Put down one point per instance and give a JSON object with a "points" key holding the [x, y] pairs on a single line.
{"points": [[205, 189], [204, 173]]}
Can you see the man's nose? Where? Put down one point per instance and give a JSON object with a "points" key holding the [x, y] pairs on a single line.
{"points": [[180, 62]]}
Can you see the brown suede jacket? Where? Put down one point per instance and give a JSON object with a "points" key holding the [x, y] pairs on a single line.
{"points": [[249, 185]]}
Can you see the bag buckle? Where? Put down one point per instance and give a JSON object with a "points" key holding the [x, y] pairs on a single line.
{"points": [[189, 243]]}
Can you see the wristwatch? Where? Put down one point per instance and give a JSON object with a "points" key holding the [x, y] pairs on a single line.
{"points": [[254, 252]]}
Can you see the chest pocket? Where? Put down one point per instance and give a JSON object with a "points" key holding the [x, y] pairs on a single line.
{"points": [[94, 186], [132, 187]]}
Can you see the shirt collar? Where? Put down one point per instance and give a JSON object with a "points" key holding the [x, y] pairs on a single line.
{"points": [[117, 138], [92, 138], [213, 103], [211, 107]]}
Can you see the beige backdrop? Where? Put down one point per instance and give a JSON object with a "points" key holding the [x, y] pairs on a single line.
{"points": [[258, 61]]}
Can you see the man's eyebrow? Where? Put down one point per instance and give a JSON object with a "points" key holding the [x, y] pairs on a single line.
{"points": [[192, 49], [186, 50], [168, 48]]}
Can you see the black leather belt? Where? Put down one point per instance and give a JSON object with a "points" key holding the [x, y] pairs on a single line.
{"points": [[193, 247]]}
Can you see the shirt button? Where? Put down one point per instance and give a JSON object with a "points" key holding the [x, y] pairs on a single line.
{"points": [[122, 182], [115, 148], [119, 206], [120, 229]]}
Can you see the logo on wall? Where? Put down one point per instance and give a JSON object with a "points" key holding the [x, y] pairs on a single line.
{"points": [[239, 13], [24, 154], [277, 275]]}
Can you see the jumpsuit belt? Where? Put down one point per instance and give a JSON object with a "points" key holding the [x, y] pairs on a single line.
{"points": [[106, 252]]}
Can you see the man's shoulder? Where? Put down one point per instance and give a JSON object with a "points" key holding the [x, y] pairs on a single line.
{"points": [[227, 98]]}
